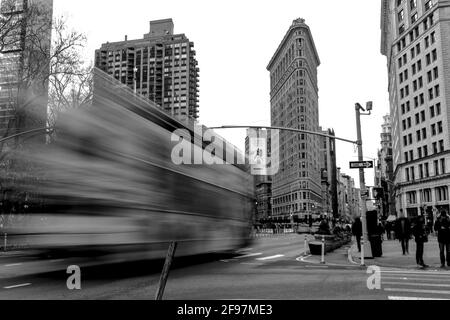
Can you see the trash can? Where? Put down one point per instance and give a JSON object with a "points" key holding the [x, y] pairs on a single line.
{"points": [[375, 245]]}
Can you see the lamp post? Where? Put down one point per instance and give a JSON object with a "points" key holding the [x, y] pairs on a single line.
{"points": [[135, 70], [365, 250]]}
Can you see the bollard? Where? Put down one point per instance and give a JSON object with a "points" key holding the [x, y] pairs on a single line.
{"points": [[4, 246], [306, 244], [362, 252], [323, 250]]}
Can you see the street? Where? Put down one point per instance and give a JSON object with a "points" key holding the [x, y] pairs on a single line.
{"points": [[272, 268]]}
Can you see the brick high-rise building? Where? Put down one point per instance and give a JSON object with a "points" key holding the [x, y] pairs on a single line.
{"points": [[296, 188], [415, 38], [162, 67]]}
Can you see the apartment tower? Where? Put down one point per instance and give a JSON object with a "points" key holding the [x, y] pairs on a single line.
{"points": [[162, 67]]}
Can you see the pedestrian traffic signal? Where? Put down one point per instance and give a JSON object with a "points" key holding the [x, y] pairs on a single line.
{"points": [[378, 193]]}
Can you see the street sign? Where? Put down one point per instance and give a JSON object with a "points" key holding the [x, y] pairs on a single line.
{"points": [[361, 164]]}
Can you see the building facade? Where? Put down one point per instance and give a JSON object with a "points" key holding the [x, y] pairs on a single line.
{"points": [[162, 67], [296, 188], [328, 171], [25, 43], [415, 38], [262, 183], [385, 174]]}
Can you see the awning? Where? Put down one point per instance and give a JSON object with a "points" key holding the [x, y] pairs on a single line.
{"points": [[391, 218]]}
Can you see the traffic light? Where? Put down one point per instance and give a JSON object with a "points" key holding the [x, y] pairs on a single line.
{"points": [[378, 193]]}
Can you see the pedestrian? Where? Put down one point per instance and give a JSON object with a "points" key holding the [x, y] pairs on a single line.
{"points": [[388, 230], [420, 234], [442, 227], [357, 232], [403, 233]]}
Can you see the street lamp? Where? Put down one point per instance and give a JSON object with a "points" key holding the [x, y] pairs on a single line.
{"points": [[365, 247], [135, 70]]}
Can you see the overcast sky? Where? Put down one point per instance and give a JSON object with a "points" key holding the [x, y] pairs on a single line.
{"points": [[235, 41]]}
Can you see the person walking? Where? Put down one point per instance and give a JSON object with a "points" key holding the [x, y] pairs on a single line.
{"points": [[388, 230], [357, 232], [420, 235], [442, 227], [403, 233]]}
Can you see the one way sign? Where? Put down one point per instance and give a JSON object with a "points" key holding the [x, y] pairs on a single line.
{"points": [[361, 164]]}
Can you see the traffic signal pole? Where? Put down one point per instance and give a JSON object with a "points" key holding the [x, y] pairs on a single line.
{"points": [[366, 251]]}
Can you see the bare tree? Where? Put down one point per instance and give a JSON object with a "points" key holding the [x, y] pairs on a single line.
{"points": [[42, 66]]}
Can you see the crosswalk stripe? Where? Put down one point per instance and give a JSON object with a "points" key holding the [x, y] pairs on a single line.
{"points": [[417, 290], [413, 298], [418, 284], [271, 257]]}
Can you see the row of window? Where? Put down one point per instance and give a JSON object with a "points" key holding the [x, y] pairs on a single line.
{"points": [[436, 129], [423, 170], [423, 151], [414, 17], [441, 194]]}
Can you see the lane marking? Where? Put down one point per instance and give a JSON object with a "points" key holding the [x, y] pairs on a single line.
{"points": [[413, 298], [271, 257], [249, 255], [417, 279], [417, 272], [18, 286], [13, 264], [418, 290], [418, 284]]}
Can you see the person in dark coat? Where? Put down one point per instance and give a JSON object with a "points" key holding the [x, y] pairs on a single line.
{"points": [[357, 232], [442, 227], [420, 235], [403, 233]]}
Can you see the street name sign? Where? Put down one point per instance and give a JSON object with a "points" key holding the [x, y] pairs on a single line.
{"points": [[361, 164]]}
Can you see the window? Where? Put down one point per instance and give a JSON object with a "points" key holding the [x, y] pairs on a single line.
{"points": [[414, 17], [438, 109], [432, 112], [436, 167], [419, 65], [433, 129], [419, 152], [430, 94], [442, 193], [437, 91], [406, 156], [428, 5], [413, 49], [427, 170], [413, 4], [421, 171], [433, 37], [413, 175], [411, 197], [417, 118], [418, 135], [424, 133], [429, 76], [435, 149], [401, 15], [401, 29], [436, 72], [422, 115], [428, 58], [427, 42], [443, 166], [441, 145], [434, 54], [414, 70], [418, 48], [407, 174], [425, 25]]}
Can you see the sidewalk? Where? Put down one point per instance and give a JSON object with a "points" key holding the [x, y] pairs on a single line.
{"points": [[394, 258]]}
